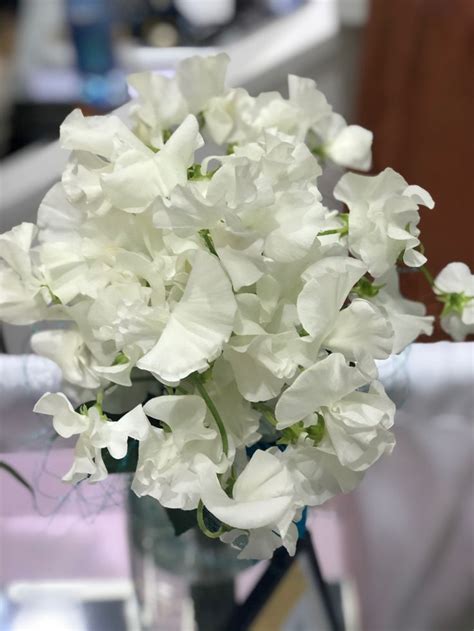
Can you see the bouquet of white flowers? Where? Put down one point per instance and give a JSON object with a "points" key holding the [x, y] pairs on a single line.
{"points": [[230, 316]]}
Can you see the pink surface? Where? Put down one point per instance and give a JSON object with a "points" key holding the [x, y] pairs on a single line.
{"points": [[67, 532]]}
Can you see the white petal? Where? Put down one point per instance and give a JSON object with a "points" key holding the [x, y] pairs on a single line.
{"points": [[199, 325], [241, 257], [186, 209], [15, 247], [201, 78], [260, 503], [455, 327], [361, 328], [322, 384], [352, 148], [134, 424], [67, 349], [331, 280], [419, 195], [57, 217], [105, 136], [358, 428], [66, 421], [184, 414], [138, 180], [88, 463], [455, 278], [261, 366]]}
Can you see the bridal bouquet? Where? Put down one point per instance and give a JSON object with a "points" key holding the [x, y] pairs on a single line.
{"points": [[216, 324]]}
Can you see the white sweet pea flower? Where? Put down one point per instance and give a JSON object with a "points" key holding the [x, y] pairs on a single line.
{"points": [[349, 146], [262, 495], [359, 329], [317, 473], [454, 286], [198, 326], [160, 106], [130, 317], [169, 460], [407, 317], [383, 219], [299, 216], [24, 296], [138, 179], [104, 136], [68, 350], [327, 381], [187, 210], [228, 117], [202, 78], [262, 363], [240, 255], [164, 102], [112, 168], [229, 284], [58, 219], [95, 432], [311, 104], [357, 423]]}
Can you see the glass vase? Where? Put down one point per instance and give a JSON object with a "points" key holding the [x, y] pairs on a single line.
{"points": [[181, 582]]}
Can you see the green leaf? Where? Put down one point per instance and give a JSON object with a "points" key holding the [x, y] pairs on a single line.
{"points": [[14, 473]]}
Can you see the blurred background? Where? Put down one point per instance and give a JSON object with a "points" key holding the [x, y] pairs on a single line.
{"points": [[402, 545]]}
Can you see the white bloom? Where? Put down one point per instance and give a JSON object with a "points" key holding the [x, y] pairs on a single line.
{"points": [[359, 329], [160, 106], [383, 219], [165, 102], [69, 351], [347, 145], [202, 78], [455, 287], [169, 461], [95, 432], [138, 179], [198, 326], [22, 299], [226, 281], [228, 117], [261, 496], [112, 168], [317, 472], [407, 317], [356, 423], [261, 364], [311, 104]]}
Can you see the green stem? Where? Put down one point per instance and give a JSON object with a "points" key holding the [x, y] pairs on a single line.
{"points": [[427, 274], [196, 379], [327, 232], [212, 534]]}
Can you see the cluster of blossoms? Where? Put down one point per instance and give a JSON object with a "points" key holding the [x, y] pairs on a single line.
{"points": [[203, 291]]}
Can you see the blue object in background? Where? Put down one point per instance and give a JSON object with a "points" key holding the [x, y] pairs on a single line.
{"points": [[301, 525], [90, 23]]}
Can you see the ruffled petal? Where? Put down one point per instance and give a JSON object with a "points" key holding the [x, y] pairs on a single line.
{"points": [[324, 383], [199, 325]]}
